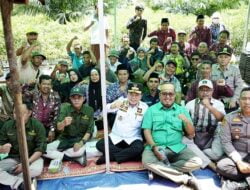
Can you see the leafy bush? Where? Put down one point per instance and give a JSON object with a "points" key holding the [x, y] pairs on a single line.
{"points": [[54, 37]]}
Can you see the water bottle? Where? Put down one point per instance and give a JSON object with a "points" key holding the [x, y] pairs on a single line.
{"points": [[164, 155]]}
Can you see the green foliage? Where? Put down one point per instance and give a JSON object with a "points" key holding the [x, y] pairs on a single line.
{"points": [[54, 36], [206, 7], [63, 10]]}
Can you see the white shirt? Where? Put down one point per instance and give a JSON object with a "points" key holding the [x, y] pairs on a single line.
{"points": [[114, 67], [216, 104], [95, 31], [127, 125], [27, 73]]}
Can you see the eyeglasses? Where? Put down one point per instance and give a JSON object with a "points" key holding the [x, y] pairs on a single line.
{"points": [[195, 59], [154, 81], [170, 94], [244, 98], [205, 90]]}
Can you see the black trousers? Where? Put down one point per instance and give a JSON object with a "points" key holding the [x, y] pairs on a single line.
{"points": [[135, 45], [122, 151]]}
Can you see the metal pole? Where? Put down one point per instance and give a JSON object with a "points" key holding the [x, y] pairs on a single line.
{"points": [[103, 83], [115, 24], [246, 28], [6, 9]]}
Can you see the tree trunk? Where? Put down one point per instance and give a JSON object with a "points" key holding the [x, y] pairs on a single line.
{"points": [[6, 8]]}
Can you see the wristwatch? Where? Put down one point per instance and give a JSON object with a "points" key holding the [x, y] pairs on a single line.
{"points": [[152, 146], [83, 141]]}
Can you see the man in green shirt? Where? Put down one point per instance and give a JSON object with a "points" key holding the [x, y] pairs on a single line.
{"points": [[76, 124], [164, 125], [11, 168]]}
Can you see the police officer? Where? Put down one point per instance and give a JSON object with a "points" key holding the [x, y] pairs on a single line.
{"points": [[229, 74], [10, 168], [235, 140], [76, 124], [125, 140]]}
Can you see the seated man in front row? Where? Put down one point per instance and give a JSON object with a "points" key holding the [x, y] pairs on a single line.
{"points": [[236, 143], [164, 125], [11, 175], [76, 124], [125, 140], [206, 112]]}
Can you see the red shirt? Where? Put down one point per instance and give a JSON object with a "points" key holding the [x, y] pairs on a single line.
{"points": [[162, 36], [46, 112], [216, 47], [200, 35]]}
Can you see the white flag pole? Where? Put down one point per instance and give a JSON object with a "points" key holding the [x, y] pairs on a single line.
{"points": [[102, 32]]}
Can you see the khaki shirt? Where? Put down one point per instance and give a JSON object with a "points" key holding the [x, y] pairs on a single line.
{"points": [[235, 135], [232, 77], [82, 123], [35, 134]]}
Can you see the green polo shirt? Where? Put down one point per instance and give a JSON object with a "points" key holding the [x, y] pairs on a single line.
{"points": [[166, 128], [35, 134], [82, 123]]}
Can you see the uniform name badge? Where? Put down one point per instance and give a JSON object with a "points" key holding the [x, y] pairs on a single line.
{"points": [[139, 112]]}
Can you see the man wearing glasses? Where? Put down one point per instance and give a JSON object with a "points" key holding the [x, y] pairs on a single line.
{"points": [[206, 112], [164, 125]]}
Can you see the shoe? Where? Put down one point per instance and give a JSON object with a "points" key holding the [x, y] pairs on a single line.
{"points": [[233, 185], [100, 161], [81, 160], [34, 184], [194, 184], [21, 186]]}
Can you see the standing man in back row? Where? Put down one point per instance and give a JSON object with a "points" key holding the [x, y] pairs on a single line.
{"points": [[137, 27]]}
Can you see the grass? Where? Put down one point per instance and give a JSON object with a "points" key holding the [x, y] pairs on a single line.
{"points": [[54, 37]]}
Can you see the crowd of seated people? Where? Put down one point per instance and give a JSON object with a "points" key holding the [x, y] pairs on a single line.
{"points": [[177, 98]]}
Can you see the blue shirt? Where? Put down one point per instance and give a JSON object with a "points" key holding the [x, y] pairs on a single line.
{"points": [[114, 92], [76, 61]]}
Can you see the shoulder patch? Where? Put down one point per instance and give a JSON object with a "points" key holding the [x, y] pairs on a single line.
{"points": [[85, 117], [223, 122]]}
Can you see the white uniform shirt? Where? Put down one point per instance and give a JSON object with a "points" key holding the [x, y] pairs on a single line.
{"points": [[127, 125], [95, 31], [216, 104]]}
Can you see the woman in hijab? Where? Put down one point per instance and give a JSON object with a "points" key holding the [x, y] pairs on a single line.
{"points": [[94, 96], [64, 89]]}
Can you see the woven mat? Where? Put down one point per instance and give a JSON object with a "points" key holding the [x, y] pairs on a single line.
{"points": [[72, 169]]}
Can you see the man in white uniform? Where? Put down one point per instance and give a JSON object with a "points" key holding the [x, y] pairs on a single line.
{"points": [[125, 140]]}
